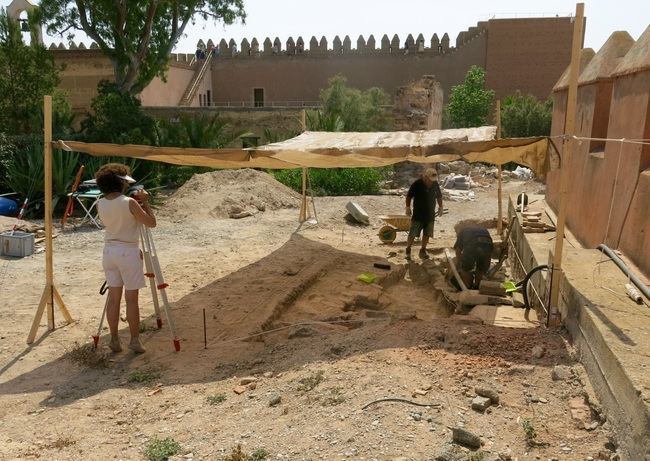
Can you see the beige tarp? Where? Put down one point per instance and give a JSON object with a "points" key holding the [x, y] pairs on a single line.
{"points": [[337, 150]]}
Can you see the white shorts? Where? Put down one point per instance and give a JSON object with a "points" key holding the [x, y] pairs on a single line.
{"points": [[123, 266]]}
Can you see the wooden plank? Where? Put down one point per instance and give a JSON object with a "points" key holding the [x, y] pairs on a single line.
{"points": [[567, 150], [37, 318], [62, 307], [488, 287]]}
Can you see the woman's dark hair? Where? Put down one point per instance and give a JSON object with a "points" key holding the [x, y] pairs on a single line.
{"points": [[107, 177]]}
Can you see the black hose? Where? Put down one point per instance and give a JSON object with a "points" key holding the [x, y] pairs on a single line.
{"points": [[524, 282]]}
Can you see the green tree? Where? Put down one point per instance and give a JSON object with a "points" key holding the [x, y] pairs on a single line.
{"points": [[524, 116], [349, 109], [137, 35], [117, 118], [469, 103], [27, 73]]}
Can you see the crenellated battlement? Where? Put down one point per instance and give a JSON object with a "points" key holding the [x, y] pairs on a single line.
{"points": [[362, 46], [316, 47]]}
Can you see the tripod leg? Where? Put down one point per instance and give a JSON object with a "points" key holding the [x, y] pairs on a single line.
{"points": [[146, 252], [161, 285]]}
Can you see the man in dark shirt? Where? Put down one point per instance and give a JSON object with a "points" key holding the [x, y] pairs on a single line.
{"points": [[424, 192], [473, 254]]}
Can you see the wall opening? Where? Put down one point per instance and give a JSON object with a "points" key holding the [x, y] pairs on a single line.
{"points": [[601, 119], [258, 97], [208, 98]]}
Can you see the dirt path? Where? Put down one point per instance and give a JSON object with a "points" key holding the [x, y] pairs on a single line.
{"points": [[261, 273]]}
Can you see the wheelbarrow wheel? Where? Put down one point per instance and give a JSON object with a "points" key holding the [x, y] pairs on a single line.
{"points": [[387, 234]]}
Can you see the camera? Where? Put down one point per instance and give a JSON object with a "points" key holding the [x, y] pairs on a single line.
{"points": [[133, 189]]}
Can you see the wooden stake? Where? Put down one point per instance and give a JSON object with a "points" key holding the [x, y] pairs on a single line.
{"points": [[499, 180], [205, 332], [567, 150], [50, 293]]}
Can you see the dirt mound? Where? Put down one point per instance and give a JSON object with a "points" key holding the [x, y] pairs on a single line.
{"points": [[229, 194]]}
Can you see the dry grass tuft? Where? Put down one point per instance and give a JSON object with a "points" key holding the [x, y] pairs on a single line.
{"points": [[85, 355]]}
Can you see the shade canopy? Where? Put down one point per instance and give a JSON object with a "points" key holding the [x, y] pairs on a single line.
{"points": [[314, 149]]}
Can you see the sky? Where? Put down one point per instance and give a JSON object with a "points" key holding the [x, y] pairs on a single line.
{"points": [[285, 18]]}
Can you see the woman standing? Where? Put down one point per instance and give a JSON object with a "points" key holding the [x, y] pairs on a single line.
{"points": [[122, 258]]}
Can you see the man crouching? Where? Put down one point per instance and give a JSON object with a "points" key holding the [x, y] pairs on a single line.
{"points": [[473, 254]]}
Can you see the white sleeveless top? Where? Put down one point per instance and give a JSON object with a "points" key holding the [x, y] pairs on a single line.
{"points": [[120, 225]]}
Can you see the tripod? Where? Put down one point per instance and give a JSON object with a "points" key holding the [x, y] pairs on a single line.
{"points": [[156, 284]]}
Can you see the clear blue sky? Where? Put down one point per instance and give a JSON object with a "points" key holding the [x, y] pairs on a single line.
{"points": [[284, 18]]}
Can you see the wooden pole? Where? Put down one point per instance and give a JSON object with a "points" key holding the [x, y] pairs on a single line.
{"points": [[50, 293], [567, 150], [47, 168], [499, 171], [303, 202]]}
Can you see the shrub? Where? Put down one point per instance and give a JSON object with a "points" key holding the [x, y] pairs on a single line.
{"points": [[216, 399], [162, 449], [336, 181], [143, 376]]}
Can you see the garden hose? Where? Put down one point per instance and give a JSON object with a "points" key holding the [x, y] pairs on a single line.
{"points": [[524, 283]]}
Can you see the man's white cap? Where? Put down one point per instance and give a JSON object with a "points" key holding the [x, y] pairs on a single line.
{"points": [[127, 178]]}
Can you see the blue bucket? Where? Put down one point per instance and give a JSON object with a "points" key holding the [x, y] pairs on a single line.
{"points": [[8, 207]]}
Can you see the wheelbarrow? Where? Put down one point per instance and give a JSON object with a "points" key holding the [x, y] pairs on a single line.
{"points": [[394, 223]]}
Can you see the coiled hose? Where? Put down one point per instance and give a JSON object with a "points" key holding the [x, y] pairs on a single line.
{"points": [[524, 283]]}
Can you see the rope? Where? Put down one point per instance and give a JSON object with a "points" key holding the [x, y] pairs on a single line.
{"points": [[645, 142], [532, 285]]}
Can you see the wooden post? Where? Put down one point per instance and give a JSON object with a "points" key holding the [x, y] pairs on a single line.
{"points": [[567, 150], [499, 180], [303, 120], [50, 294], [303, 201]]}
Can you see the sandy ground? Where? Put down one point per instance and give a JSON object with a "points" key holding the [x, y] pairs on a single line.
{"points": [[354, 343]]}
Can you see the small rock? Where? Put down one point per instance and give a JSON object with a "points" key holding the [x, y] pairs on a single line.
{"points": [[248, 380], [591, 426], [419, 392], [480, 403], [521, 369], [538, 352], [252, 386], [488, 392], [450, 453], [239, 390], [561, 373], [465, 438], [506, 455], [268, 374], [580, 411], [416, 417], [543, 400], [275, 400]]}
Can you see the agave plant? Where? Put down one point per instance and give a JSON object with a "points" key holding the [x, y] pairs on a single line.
{"points": [[25, 172]]}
